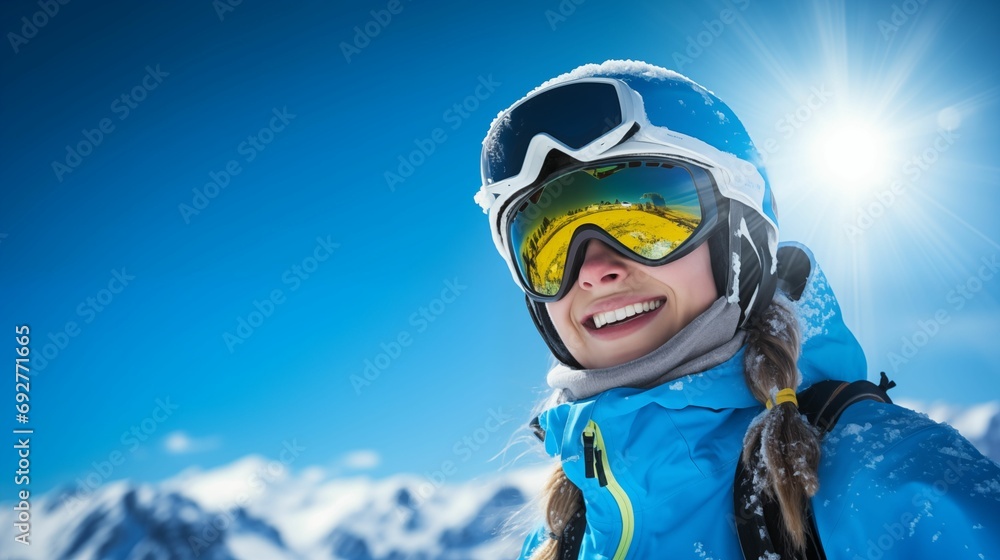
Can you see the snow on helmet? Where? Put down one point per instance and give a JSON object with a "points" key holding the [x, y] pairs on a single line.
{"points": [[623, 108]]}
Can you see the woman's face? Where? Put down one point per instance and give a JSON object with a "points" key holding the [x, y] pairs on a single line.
{"points": [[619, 310]]}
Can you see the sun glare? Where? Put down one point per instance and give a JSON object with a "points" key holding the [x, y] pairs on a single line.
{"points": [[852, 154]]}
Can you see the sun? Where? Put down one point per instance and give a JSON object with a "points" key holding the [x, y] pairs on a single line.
{"points": [[851, 154]]}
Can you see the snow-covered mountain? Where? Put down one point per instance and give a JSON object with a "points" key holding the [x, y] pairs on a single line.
{"points": [[257, 509]]}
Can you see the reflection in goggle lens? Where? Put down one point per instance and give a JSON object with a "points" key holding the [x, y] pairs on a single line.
{"points": [[648, 207]]}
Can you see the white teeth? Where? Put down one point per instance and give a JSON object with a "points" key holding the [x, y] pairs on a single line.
{"points": [[608, 317]]}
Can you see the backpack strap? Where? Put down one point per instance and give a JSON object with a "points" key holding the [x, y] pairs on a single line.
{"points": [[759, 522], [824, 402]]}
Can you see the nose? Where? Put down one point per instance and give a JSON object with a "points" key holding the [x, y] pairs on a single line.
{"points": [[601, 266]]}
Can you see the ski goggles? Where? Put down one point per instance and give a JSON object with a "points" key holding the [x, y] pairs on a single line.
{"points": [[652, 210], [581, 119]]}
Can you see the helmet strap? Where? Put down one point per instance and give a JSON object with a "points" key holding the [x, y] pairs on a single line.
{"points": [[540, 316], [718, 248], [756, 287]]}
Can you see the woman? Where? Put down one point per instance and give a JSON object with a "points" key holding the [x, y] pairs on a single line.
{"points": [[633, 210]]}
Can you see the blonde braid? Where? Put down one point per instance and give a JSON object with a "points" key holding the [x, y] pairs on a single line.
{"points": [[563, 502], [781, 448]]}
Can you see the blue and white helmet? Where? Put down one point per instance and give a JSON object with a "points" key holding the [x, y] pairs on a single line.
{"points": [[667, 115]]}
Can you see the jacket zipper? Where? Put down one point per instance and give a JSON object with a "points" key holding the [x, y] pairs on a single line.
{"points": [[595, 455]]}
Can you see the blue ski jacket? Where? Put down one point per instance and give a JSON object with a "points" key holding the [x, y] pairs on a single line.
{"points": [[893, 483]]}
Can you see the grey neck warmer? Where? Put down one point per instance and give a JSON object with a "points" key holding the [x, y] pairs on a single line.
{"points": [[704, 343]]}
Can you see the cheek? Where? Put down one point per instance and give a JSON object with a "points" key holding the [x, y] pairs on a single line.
{"points": [[690, 278], [702, 284], [700, 281], [559, 314]]}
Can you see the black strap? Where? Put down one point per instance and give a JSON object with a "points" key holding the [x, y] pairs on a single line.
{"points": [[759, 522], [536, 428], [569, 541], [824, 402]]}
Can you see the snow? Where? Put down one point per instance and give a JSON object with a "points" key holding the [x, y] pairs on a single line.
{"points": [[494, 151], [814, 309], [222, 487], [734, 297], [699, 549], [873, 461], [988, 487], [253, 546], [635, 68], [855, 430], [951, 451]]}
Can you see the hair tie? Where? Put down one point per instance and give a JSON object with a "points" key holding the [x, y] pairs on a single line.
{"points": [[553, 536], [783, 396]]}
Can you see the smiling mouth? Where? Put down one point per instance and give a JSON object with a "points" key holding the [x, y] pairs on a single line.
{"points": [[622, 314]]}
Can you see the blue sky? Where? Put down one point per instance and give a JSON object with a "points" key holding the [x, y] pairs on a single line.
{"points": [[202, 228]]}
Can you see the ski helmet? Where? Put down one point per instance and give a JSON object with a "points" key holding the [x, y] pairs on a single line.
{"points": [[621, 109]]}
